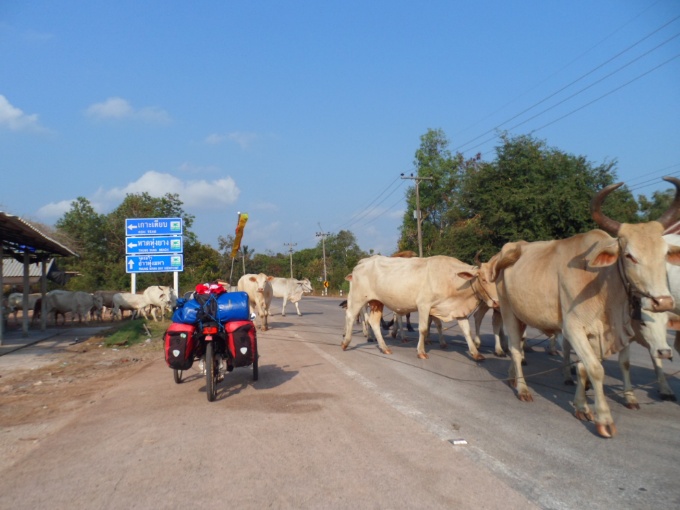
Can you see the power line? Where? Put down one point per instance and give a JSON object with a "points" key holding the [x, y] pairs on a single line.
{"points": [[583, 106], [611, 34], [574, 82], [368, 209]]}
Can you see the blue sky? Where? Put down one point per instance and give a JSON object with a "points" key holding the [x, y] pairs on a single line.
{"points": [[305, 113]]}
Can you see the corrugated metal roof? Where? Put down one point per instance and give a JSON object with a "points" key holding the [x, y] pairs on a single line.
{"points": [[13, 268], [18, 236]]}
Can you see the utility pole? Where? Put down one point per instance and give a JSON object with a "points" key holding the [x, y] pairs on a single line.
{"points": [[323, 235], [290, 250], [419, 216]]}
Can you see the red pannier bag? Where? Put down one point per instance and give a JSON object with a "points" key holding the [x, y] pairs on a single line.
{"points": [[179, 345], [242, 342]]}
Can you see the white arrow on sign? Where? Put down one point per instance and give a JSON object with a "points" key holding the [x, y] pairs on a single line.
{"points": [[132, 227], [131, 264], [132, 245]]}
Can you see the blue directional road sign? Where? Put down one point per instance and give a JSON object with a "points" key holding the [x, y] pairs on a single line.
{"points": [[154, 244], [154, 263], [153, 226]]}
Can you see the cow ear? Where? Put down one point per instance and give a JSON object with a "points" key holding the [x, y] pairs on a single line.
{"points": [[604, 253], [673, 256], [349, 277], [466, 275], [252, 279], [270, 278]]}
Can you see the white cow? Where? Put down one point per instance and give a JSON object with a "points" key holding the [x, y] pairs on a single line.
{"points": [[15, 302], [107, 301], [439, 286], [582, 287], [159, 296], [75, 302], [259, 290], [650, 330], [290, 289]]}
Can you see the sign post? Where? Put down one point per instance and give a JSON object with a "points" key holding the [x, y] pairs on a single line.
{"points": [[154, 245]]}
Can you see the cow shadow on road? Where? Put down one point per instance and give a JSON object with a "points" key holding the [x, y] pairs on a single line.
{"points": [[545, 377]]}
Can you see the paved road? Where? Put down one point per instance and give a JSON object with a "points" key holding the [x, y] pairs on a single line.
{"points": [[306, 435], [326, 428]]}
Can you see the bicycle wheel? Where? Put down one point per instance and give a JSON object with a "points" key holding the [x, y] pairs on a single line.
{"points": [[178, 375], [210, 375]]}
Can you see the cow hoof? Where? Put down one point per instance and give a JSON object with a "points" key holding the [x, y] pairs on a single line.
{"points": [[478, 357], [423, 355], [666, 396], [606, 431], [404, 340], [552, 353], [525, 397], [501, 355], [344, 347], [584, 416], [633, 405], [569, 382], [387, 351], [444, 346], [524, 363], [371, 340]]}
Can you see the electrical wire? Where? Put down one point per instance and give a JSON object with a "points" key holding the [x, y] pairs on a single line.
{"points": [[577, 80]]}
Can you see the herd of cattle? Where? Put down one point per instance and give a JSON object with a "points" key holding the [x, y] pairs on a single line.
{"points": [[155, 299], [596, 291]]}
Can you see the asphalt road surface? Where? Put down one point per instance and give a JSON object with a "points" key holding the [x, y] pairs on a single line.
{"points": [[326, 428]]}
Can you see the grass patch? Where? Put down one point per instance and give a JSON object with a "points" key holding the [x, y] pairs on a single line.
{"points": [[134, 332]]}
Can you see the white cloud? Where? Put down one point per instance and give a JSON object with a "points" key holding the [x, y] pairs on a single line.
{"points": [[55, 209], [119, 108], [16, 120], [244, 140], [199, 194]]}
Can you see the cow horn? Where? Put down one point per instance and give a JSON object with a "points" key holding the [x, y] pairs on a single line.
{"points": [[607, 224], [671, 215], [477, 261]]}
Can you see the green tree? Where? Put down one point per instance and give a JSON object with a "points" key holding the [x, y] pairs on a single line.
{"points": [[86, 229], [437, 173], [531, 192], [651, 209]]}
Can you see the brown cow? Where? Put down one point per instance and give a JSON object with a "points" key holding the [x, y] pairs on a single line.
{"points": [[582, 287]]}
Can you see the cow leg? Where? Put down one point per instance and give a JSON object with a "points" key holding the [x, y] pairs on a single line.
{"points": [[513, 329], [566, 362], [479, 314], [624, 364], [423, 325], [298, 309], [352, 312], [374, 321], [283, 306], [500, 342], [398, 327], [464, 324], [263, 317], [438, 325], [664, 389], [604, 422], [552, 345], [364, 322]]}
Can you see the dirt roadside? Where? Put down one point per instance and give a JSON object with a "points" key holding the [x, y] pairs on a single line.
{"points": [[42, 386]]}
